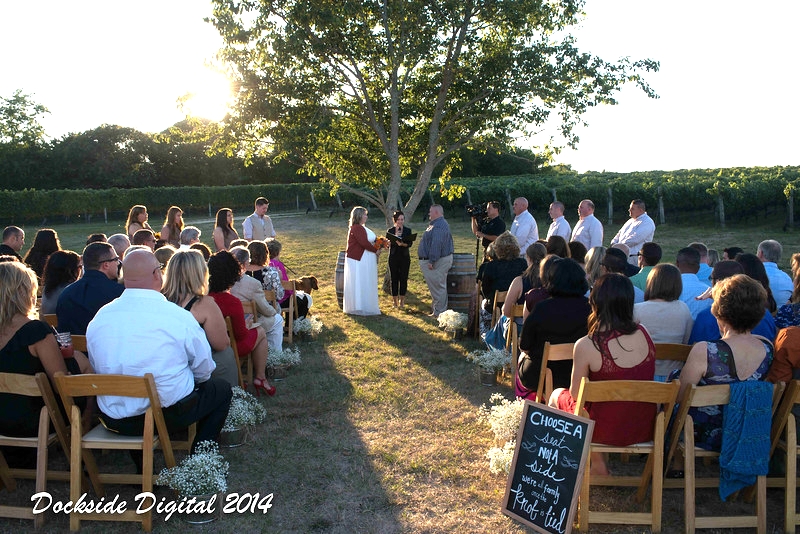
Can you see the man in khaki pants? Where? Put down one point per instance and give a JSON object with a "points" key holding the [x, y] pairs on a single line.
{"points": [[436, 257]]}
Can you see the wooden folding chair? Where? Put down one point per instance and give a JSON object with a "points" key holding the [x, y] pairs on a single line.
{"points": [[81, 445], [51, 319], [552, 353], [698, 397], [33, 386], [659, 393], [79, 343], [672, 351], [290, 312], [784, 437], [512, 339], [497, 307], [248, 359]]}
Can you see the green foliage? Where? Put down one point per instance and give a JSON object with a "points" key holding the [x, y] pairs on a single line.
{"points": [[19, 121]]}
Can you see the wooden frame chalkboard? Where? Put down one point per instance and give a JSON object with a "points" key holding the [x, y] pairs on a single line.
{"points": [[545, 477]]}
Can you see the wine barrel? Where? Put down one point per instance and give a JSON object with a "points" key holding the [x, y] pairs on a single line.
{"points": [[339, 278], [461, 282]]}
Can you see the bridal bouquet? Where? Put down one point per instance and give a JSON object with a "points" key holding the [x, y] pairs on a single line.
{"points": [[381, 242]]}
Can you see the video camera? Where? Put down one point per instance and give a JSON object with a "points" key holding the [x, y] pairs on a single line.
{"points": [[476, 211]]}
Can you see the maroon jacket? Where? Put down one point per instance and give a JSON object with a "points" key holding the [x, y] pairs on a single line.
{"points": [[357, 242]]}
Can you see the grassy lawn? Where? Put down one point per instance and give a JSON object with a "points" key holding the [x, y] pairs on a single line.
{"points": [[377, 431]]}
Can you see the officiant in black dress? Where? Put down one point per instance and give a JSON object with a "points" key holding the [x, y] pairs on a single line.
{"points": [[399, 259]]}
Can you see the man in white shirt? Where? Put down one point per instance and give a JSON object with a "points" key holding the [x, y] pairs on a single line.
{"points": [[639, 229], [588, 230], [559, 226], [258, 226], [524, 227], [769, 252], [189, 236], [142, 332]]}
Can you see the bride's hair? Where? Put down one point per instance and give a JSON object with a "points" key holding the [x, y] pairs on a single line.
{"points": [[357, 215]]}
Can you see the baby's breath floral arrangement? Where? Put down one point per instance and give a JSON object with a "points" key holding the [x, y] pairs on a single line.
{"points": [[309, 325], [201, 473], [504, 417], [245, 410], [491, 359], [452, 320], [288, 357]]}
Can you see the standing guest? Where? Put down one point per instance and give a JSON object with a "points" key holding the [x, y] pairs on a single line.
{"points": [[704, 273], [142, 332], [399, 259], [224, 231], [45, 243], [62, 268], [789, 314], [594, 264], [258, 226], [490, 227], [144, 237], [705, 324], [649, 256], [13, 240], [615, 348], [248, 288], [435, 254], [558, 246], [638, 230], [729, 253], [120, 242], [186, 284], [189, 236], [80, 301], [524, 227], [96, 238], [769, 252], [303, 300], [559, 226], [173, 225], [588, 230], [361, 267], [27, 346], [688, 263], [224, 271], [137, 219]]}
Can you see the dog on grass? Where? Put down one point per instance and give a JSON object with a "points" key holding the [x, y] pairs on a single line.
{"points": [[306, 284]]}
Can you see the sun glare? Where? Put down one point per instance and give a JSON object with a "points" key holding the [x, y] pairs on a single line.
{"points": [[209, 96]]}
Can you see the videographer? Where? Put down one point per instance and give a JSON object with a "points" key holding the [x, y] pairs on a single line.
{"points": [[488, 227]]}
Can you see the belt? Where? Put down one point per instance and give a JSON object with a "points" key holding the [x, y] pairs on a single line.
{"points": [[423, 259]]}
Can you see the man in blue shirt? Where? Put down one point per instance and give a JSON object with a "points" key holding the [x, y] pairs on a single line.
{"points": [[769, 252], [80, 301], [436, 257], [688, 263]]}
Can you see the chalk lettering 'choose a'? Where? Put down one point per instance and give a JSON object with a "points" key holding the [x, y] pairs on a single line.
{"points": [[556, 423]]}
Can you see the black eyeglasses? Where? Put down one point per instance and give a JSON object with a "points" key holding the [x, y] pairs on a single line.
{"points": [[112, 259]]}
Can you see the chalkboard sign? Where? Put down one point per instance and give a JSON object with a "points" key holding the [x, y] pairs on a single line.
{"points": [[545, 478]]}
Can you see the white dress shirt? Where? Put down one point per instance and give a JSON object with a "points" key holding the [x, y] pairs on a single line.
{"points": [[526, 231], [142, 332], [588, 231], [560, 227], [635, 233]]}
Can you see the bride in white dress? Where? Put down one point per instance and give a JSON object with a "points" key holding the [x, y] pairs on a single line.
{"points": [[361, 267]]}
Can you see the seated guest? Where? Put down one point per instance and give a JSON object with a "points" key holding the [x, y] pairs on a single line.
{"points": [[269, 277], [142, 332], [239, 243], [755, 269], [562, 318], [144, 237], [786, 363], [558, 245], [120, 242], [248, 288], [224, 271], [96, 238], [594, 264], [577, 251], [526, 281], [202, 248], [79, 301], [713, 257], [45, 243], [540, 293], [189, 236], [649, 256], [615, 261], [688, 263], [729, 253], [704, 273], [739, 303], [496, 275], [789, 314], [164, 254], [13, 240], [303, 300], [62, 268], [769, 252], [631, 269], [186, 284], [615, 348], [705, 326], [173, 226]]}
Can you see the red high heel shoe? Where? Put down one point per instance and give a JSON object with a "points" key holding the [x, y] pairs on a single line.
{"points": [[259, 384]]}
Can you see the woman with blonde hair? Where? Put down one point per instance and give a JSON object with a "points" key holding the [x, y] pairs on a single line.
{"points": [[173, 225], [186, 284], [360, 267], [137, 220], [593, 266], [27, 346], [224, 232]]}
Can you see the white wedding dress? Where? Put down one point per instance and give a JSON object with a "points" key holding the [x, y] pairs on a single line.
{"points": [[361, 283]]}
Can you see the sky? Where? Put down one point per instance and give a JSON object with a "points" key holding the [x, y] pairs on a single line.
{"points": [[728, 81]]}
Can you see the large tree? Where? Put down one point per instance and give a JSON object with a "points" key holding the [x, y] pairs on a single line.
{"points": [[363, 92], [19, 121]]}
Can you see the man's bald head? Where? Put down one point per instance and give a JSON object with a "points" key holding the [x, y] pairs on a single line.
{"points": [[141, 270]]}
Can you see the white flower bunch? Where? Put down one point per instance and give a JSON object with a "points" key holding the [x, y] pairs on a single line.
{"points": [[452, 320], [491, 359], [201, 473], [245, 410], [287, 356], [500, 459], [309, 324], [504, 416]]}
